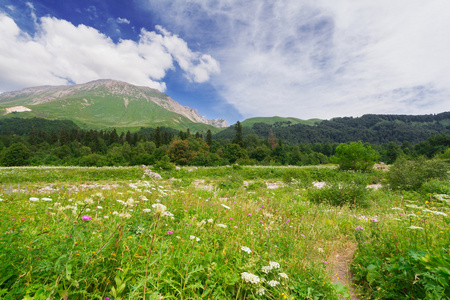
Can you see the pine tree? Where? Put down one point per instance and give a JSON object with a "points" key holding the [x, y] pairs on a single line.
{"points": [[238, 136], [209, 138]]}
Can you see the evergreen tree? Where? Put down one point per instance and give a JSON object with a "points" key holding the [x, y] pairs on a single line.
{"points": [[209, 138], [113, 137], [238, 134]]}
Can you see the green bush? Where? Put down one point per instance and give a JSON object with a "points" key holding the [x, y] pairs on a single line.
{"points": [[233, 181], [436, 186], [410, 175], [256, 186], [163, 164], [340, 193], [355, 156]]}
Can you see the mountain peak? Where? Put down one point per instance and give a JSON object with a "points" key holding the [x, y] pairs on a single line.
{"points": [[99, 97]]}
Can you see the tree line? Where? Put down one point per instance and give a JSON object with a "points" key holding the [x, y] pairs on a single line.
{"points": [[74, 146]]}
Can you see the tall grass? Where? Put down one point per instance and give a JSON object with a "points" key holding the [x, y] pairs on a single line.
{"points": [[108, 237]]}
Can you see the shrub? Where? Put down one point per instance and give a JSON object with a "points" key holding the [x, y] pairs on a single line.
{"points": [[340, 193], [436, 186], [355, 156], [410, 175], [233, 181], [163, 164]]}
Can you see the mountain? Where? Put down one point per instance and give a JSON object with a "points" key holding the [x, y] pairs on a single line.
{"points": [[105, 104]]}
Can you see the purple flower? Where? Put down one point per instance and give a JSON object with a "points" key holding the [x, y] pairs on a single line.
{"points": [[86, 218], [107, 298], [302, 235], [325, 262], [13, 219], [359, 228], [261, 221], [374, 220], [169, 232]]}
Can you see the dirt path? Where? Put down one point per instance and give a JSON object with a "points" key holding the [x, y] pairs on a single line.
{"points": [[341, 268]]}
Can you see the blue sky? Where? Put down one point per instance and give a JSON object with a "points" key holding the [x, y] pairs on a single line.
{"points": [[237, 59]]}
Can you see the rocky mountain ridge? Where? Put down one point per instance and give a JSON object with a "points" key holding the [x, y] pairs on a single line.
{"points": [[32, 96]]}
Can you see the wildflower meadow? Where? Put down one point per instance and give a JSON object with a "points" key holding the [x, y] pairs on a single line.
{"points": [[221, 233]]}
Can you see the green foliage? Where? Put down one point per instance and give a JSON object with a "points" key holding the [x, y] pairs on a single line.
{"points": [[233, 181], [16, 155], [411, 174], [163, 164], [340, 193], [436, 186], [355, 156]]}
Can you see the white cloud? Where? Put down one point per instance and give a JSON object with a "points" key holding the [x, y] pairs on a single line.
{"points": [[322, 58], [123, 20], [60, 52]]}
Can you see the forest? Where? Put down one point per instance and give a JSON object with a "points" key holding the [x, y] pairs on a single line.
{"points": [[59, 142]]}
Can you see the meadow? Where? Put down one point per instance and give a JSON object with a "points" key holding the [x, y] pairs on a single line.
{"points": [[221, 233]]}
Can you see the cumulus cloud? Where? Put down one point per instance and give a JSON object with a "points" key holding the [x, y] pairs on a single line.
{"points": [[59, 53], [123, 20], [322, 58]]}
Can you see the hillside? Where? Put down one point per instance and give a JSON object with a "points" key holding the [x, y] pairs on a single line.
{"points": [[105, 104], [277, 121], [374, 129]]}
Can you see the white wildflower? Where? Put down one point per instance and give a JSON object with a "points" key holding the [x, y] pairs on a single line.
{"points": [[246, 249], [260, 291], [273, 283], [125, 215], [87, 210], [143, 198], [274, 264], [192, 237], [88, 201], [412, 215], [249, 277], [283, 275], [34, 199], [412, 206], [266, 269], [210, 220], [159, 208], [130, 202], [115, 213], [147, 210], [121, 202], [397, 208], [168, 214], [99, 207], [47, 199], [227, 207], [415, 227], [222, 225], [106, 217]]}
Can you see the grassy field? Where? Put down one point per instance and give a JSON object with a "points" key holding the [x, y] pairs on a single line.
{"points": [[219, 233]]}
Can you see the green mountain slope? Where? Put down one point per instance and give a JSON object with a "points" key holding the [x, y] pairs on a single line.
{"points": [[278, 121], [105, 104]]}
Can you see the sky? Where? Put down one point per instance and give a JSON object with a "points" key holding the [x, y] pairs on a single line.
{"points": [[237, 59]]}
